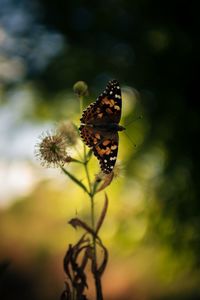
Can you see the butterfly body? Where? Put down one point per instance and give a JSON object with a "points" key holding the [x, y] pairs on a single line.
{"points": [[100, 125], [107, 127]]}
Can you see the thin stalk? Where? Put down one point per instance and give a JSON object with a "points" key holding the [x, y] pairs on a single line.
{"points": [[84, 149], [86, 171], [99, 295], [97, 279], [78, 152]]}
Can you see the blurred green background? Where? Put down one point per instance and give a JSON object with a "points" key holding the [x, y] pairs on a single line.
{"points": [[152, 229]]}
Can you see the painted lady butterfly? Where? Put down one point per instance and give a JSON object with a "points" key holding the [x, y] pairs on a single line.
{"points": [[100, 125]]}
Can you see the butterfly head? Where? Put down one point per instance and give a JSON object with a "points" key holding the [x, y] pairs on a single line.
{"points": [[121, 128]]}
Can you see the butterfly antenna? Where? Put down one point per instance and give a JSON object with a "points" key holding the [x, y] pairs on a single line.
{"points": [[138, 118], [130, 140]]}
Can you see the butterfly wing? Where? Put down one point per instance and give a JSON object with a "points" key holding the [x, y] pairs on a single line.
{"points": [[107, 107], [106, 152], [95, 130], [104, 145]]}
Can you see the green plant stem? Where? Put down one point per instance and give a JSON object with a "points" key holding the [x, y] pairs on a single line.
{"points": [[84, 148], [86, 171], [99, 295], [97, 279], [81, 103]]}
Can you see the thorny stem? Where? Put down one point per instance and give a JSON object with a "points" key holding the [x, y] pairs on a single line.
{"points": [[99, 295]]}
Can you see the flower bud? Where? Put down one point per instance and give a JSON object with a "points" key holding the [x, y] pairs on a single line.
{"points": [[80, 88]]}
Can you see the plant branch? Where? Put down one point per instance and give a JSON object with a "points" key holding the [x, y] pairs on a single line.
{"points": [[97, 277]]}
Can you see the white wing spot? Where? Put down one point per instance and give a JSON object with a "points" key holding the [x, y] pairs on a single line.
{"points": [[113, 158]]}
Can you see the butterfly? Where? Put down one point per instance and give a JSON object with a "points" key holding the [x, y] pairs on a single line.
{"points": [[100, 125]]}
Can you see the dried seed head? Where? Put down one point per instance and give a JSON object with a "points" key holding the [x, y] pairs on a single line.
{"points": [[68, 130], [80, 88], [51, 150]]}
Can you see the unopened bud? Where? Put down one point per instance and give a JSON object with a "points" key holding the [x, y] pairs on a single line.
{"points": [[80, 88]]}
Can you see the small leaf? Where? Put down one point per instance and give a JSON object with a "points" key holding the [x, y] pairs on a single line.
{"points": [[66, 294], [74, 270], [75, 222], [103, 214], [76, 180], [105, 260], [106, 181], [81, 241], [66, 262], [87, 255]]}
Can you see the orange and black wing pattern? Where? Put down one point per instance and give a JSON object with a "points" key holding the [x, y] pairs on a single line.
{"points": [[104, 146], [107, 107], [96, 128]]}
